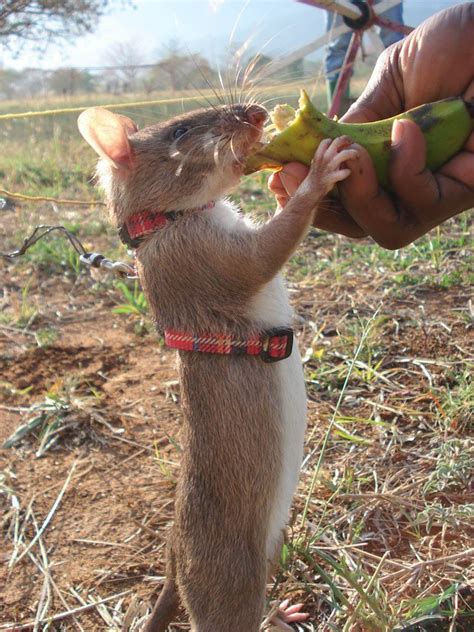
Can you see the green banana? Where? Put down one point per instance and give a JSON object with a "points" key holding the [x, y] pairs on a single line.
{"points": [[445, 124]]}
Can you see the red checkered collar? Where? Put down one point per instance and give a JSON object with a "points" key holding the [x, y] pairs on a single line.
{"points": [[138, 226], [272, 345]]}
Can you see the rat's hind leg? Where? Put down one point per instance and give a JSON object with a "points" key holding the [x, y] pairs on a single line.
{"points": [[166, 607], [227, 594], [167, 604]]}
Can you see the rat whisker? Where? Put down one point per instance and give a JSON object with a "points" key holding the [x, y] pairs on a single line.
{"points": [[248, 70], [174, 151], [201, 144], [262, 71], [231, 83], [254, 90], [239, 52], [219, 96], [207, 100], [216, 153], [284, 78], [204, 97], [237, 20], [257, 58], [239, 68], [277, 98], [233, 150], [221, 81]]}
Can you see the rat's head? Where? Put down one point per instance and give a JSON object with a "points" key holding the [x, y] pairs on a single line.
{"points": [[182, 163]]}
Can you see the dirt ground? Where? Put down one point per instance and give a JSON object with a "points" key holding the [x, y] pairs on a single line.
{"points": [[106, 502], [107, 484]]}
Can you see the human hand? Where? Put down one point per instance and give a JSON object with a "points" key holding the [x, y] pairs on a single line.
{"points": [[329, 214], [407, 75]]}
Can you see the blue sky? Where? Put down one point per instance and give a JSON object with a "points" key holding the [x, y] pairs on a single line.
{"points": [[199, 25]]}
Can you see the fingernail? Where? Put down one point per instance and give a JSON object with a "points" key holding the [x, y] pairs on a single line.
{"points": [[288, 182], [281, 201], [398, 130]]}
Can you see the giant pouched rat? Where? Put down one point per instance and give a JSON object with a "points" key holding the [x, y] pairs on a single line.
{"points": [[212, 280]]}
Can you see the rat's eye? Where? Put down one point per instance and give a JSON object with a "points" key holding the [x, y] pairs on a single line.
{"points": [[180, 131]]}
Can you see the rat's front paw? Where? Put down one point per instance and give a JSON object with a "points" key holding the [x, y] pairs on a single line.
{"points": [[329, 163]]}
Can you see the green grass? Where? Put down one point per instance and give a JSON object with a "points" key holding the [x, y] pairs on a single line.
{"points": [[136, 302], [54, 254], [62, 413], [23, 312]]}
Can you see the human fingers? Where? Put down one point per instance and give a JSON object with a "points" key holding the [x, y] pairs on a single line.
{"points": [[405, 75], [420, 201], [430, 198], [368, 204], [292, 175], [275, 184], [284, 183]]}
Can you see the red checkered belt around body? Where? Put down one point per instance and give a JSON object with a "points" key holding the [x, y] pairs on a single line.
{"points": [[272, 345], [139, 225]]}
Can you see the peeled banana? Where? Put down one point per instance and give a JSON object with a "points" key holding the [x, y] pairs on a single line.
{"points": [[445, 124]]}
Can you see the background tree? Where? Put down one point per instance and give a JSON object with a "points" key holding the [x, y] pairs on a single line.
{"points": [[8, 83], [31, 83], [125, 74], [68, 81], [42, 21], [182, 69], [171, 64]]}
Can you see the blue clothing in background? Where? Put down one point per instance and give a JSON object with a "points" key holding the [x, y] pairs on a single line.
{"points": [[336, 50]]}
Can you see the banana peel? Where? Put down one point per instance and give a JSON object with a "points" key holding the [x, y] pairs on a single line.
{"points": [[445, 124]]}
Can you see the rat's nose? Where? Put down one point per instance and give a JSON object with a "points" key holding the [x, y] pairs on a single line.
{"points": [[256, 115]]}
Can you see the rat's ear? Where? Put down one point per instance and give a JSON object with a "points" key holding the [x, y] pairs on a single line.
{"points": [[107, 133]]}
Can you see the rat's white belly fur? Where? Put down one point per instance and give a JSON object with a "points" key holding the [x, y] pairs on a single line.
{"points": [[271, 308]]}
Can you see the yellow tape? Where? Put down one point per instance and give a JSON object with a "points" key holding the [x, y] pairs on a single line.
{"points": [[108, 105], [38, 198], [136, 104]]}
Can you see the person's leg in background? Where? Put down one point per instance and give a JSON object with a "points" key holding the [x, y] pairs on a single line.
{"points": [[336, 50], [387, 36], [335, 54]]}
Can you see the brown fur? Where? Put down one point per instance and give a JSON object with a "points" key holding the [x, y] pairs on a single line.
{"points": [[199, 277]]}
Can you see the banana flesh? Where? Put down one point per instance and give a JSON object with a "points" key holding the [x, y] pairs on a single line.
{"points": [[445, 124]]}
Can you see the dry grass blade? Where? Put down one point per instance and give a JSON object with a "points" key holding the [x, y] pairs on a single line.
{"points": [[135, 615], [14, 560], [420, 566], [63, 615], [44, 569]]}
